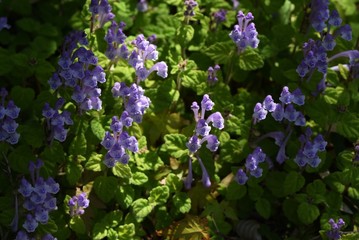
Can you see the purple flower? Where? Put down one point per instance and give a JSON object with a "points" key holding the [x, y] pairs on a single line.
{"points": [[220, 16], [260, 113], [193, 144], [334, 233], [244, 33], [77, 204], [241, 177], [190, 5], [3, 23]]}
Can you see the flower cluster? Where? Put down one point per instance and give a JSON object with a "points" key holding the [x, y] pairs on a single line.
{"points": [[244, 33], [315, 52], [334, 232], [308, 152], [38, 198], [142, 5], [252, 166], [78, 69], [144, 50], [56, 120], [202, 135], [283, 110], [220, 16], [77, 204], [212, 74], [101, 12], [190, 5], [8, 114], [117, 142], [3, 23], [134, 100], [115, 38]]}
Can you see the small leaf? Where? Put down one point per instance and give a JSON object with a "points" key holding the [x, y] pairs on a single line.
{"points": [[307, 213], [316, 187], [94, 163], [126, 231], [159, 195], [97, 129], [293, 182], [23, 97], [141, 208], [185, 34], [122, 170], [105, 187], [78, 225], [139, 178], [174, 183], [348, 125], [263, 207], [73, 172], [125, 195], [250, 60], [182, 202], [220, 52], [175, 145], [78, 145]]}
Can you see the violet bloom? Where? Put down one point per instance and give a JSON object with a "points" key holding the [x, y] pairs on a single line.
{"points": [[244, 33], [3, 23], [77, 204], [202, 135], [8, 113], [144, 50], [212, 74], [334, 233], [38, 198]]}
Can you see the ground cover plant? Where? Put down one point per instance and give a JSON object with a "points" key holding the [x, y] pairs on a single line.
{"points": [[179, 119]]}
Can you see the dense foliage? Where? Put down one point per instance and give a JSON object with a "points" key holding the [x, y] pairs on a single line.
{"points": [[173, 119]]}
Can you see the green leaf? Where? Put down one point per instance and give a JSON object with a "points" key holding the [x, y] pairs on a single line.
{"points": [[185, 34], [6, 65], [255, 191], [159, 195], [113, 218], [73, 172], [78, 225], [100, 38], [316, 187], [293, 183], [94, 163], [182, 202], [250, 60], [348, 125], [139, 178], [126, 231], [97, 129], [122, 170], [353, 192], [175, 145], [235, 191], [331, 95], [99, 231], [32, 133], [174, 183], [263, 207], [28, 24], [43, 47], [125, 195], [220, 52], [141, 208], [20, 158], [23, 97], [105, 187], [307, 213]]}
